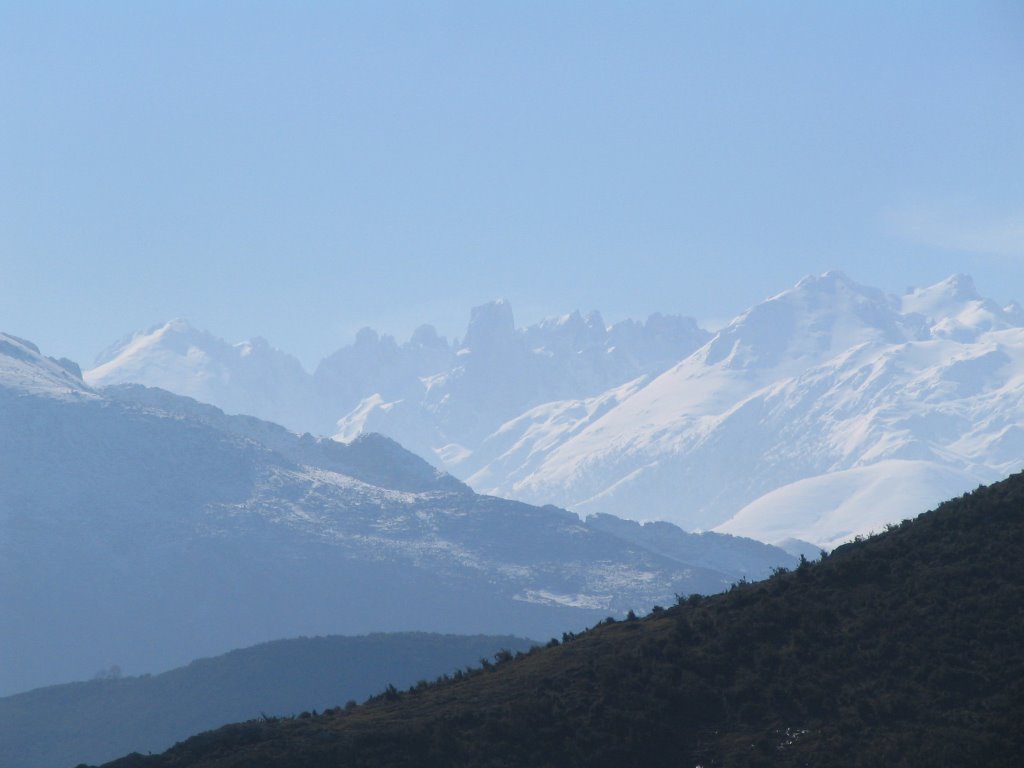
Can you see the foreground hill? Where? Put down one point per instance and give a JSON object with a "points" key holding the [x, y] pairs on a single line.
{"points": [[143, 529], [57, 727], [904, 649]]}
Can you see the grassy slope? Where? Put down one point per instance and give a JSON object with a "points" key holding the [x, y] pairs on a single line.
{"points": [[905, 649]]}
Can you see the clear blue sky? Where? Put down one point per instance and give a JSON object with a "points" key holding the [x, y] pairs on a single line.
{"points": [[299, 170]]}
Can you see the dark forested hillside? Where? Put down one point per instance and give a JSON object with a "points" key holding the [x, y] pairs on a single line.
{"points": [[903, 649], [62, 725]]}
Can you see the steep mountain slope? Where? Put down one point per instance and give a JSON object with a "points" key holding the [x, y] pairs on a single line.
{"points": [[903, 649], [249, 377], [99, 720], [143, 529], [784, 423]]}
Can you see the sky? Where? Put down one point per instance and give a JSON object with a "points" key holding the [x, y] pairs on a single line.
{"points": [[300, 170]]}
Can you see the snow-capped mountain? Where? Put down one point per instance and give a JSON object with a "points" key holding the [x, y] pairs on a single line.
{"points": [[248, 377], [443, 397], [144, 529], [824, 412], [499, 371]]}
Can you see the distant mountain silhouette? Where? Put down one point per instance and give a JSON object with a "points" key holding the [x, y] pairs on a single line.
{"points": [[101, 719]]}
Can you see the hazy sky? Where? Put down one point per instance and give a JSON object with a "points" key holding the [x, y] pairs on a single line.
{"points": [[299, 170]]}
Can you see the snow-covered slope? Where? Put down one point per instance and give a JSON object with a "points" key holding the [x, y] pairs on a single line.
{"points": [[833, 507], [144, 529], [25, 370], [249, 377], [903, 400]]}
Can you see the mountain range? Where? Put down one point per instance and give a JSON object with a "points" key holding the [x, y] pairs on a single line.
{"points": [[143, 529], [902, 649], [822, 413], [494, 373]]}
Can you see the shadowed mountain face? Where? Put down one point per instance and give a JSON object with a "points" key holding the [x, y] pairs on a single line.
{"points": [[143, 529], [62, 725], [903, 649]]}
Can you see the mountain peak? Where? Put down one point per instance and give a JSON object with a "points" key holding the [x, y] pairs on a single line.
{"points": [[426, 336], [178, 328], [961, 286], [954, 309], [171, 334], [821, 315], [245, 377], [829, 281], [176, 325], [490, 325], [367, 337], [942, 298]]}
